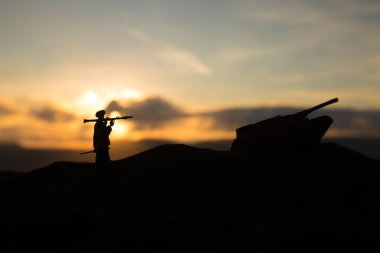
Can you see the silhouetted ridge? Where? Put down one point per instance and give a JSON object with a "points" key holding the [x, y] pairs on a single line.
{"points": [[185, 199], [170, 150], [5, 175]]}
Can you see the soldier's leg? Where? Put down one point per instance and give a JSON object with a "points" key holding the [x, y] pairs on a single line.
{"points": [[107, 155], [101, 159]]}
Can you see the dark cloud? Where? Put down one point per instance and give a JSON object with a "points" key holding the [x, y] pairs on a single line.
{"points": [[363, 122], [230, 119], [155, 112], [52, 114], [6, 109], [149, 113], [9, 135]]}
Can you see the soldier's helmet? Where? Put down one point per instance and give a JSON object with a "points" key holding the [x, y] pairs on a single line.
{"points": [[100, 113]]}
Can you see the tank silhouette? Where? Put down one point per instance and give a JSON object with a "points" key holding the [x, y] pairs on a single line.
{"points": [[283, 132]]}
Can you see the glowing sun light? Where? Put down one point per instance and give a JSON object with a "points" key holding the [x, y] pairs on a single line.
{"points": [[131, 94], [120, 130], [90, 98]]}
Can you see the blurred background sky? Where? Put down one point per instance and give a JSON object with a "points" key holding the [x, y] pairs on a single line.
{"points": [[186, 70]]}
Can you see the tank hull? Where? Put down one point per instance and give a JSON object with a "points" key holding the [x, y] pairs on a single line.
{"points": [[281, 132]]}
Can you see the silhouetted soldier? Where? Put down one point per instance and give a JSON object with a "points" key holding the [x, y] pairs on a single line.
{"points": [[101, 140]]}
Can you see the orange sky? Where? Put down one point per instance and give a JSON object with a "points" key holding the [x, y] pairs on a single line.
{"points": [[61, 61]]}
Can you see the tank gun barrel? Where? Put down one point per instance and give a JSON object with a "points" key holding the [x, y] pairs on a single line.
{"points": [[317, 107], [107, 119]]}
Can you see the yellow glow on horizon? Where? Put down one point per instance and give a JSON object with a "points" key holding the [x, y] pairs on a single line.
{"points": [[73, 134], [193, 129]]}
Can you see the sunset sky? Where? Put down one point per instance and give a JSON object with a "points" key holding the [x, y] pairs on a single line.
{"points": [[178, 65]]}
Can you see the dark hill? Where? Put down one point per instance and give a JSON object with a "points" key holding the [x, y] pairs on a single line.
{"points": [[185, 199]]}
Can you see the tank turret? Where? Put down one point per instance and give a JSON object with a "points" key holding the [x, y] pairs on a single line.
{"points": [[282, 132]]}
